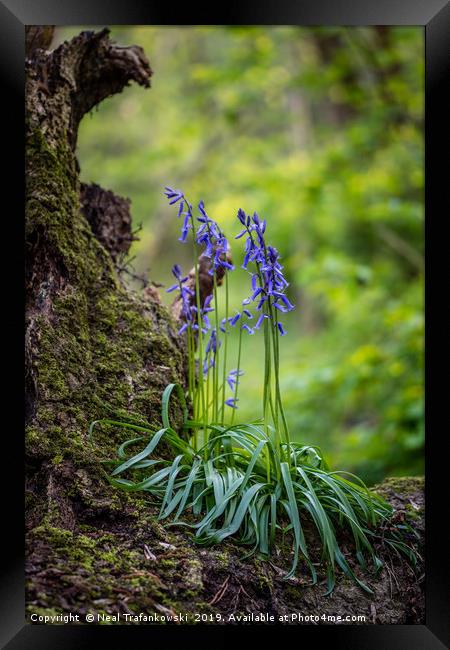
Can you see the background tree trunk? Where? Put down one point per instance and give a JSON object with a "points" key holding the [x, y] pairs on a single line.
{"points": [[93, 345]]}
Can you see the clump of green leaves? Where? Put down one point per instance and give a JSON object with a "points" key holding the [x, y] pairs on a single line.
{"points": [[241, 484]]}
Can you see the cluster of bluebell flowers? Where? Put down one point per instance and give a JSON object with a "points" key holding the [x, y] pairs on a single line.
{"points": [[267, 281], [208, 234], [266, 300], [211, 242]]}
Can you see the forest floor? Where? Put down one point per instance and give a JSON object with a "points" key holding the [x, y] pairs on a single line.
{"points": [[128, 566]]}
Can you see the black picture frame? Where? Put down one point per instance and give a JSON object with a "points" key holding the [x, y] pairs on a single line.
{"points": [[434, 17]]}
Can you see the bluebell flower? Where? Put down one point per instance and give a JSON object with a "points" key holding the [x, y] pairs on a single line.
{"points": [[206, 305], [233, 378], [177, 195], [234, 319], [256, 293], [232, 402], [208, 363], [260, 320], [268, 283], [281, 296], [241, 217], [212, 346], [212, 343], [187, 225], [176, 271], [249, 247], [173, 195]]}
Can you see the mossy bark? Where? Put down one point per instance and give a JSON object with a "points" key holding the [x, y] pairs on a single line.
{"points": [[92, 345]]}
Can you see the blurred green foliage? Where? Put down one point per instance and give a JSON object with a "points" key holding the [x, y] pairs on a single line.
{"points": [[320, 131]]}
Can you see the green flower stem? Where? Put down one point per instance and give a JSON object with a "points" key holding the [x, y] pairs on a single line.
{"points": [[267, 395], [225, 349], [276, 351], [215, 368], [267, 388], [200, 342], [237, 376], [267, 392], [209, 403], [192, 393], [275, 366], [276, 356], [191, 369]]}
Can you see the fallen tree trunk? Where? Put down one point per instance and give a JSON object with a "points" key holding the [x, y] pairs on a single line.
{"points": [[92, 345]]}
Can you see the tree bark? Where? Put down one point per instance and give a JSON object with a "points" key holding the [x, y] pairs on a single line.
{"points": [[92, 345]]}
